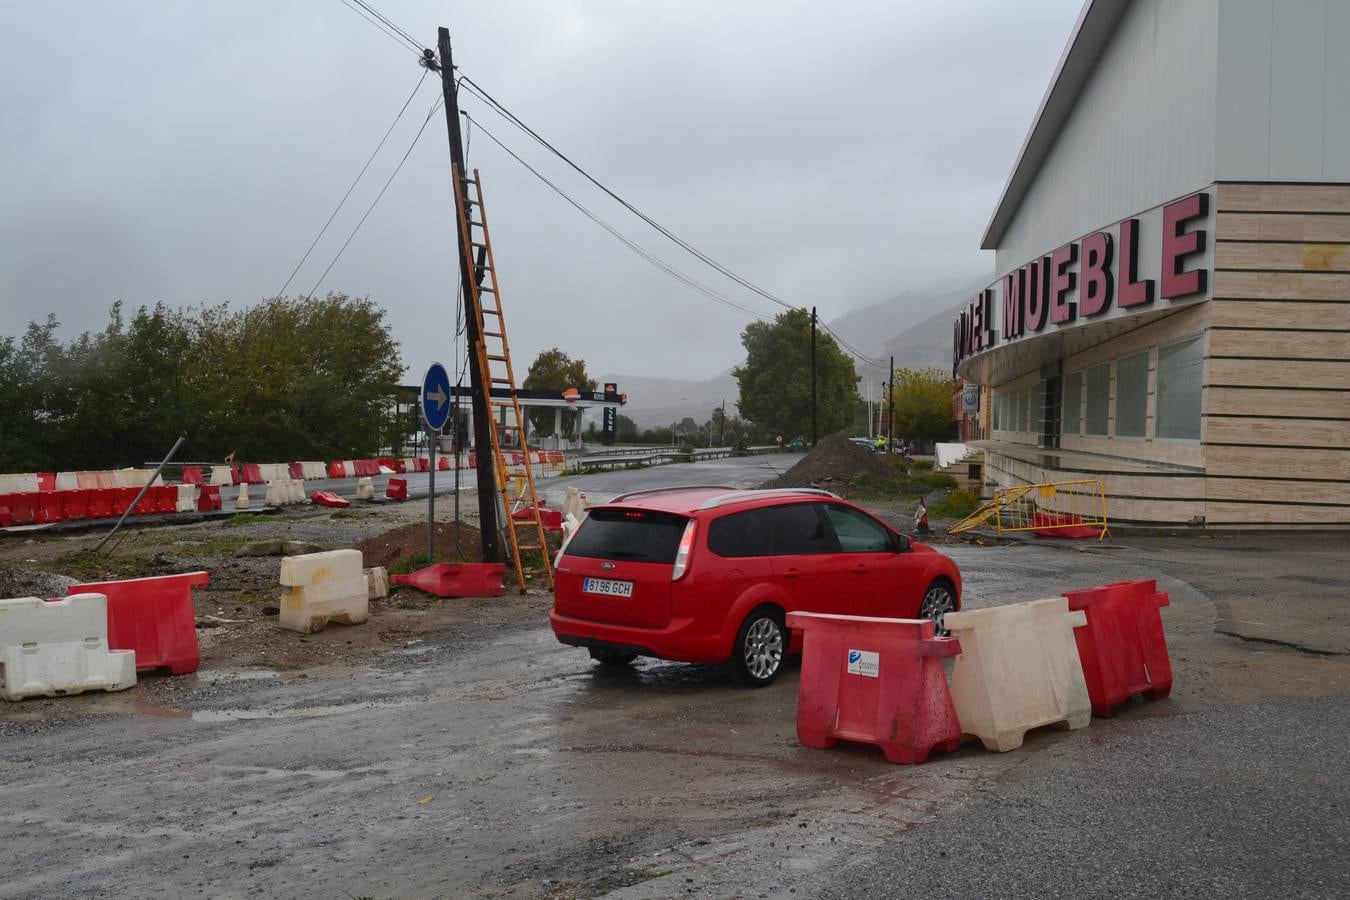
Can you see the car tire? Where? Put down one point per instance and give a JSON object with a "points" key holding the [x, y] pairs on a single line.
{"points": [[938, 600], [615, 658], [761, 644]]}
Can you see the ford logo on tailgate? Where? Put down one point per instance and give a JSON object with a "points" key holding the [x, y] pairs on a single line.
{"points": [[607, 565]]}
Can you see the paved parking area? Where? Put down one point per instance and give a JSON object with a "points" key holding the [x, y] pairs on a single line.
{"points": [[489, 760]]}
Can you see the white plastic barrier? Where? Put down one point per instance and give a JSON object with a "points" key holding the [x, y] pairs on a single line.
{"points": [[67, 481], [365, 489], [377, 583], [106, 480], [409, 465], [314, 470], [86, 480], [18, 484], [222, 476], [348, 468], [576, 504], [242, 501], [134, 477], [49, 648], [322, 588], [284, 492], [1018, 669], [187, 498]]}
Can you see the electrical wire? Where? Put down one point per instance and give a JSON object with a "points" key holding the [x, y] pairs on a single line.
{"points": [[632, 245], [493, 104], [435, 106], [402, 32], [359, 175], [383, 29]]}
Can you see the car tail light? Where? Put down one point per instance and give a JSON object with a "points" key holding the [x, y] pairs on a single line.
{"points": [[682, 554]]}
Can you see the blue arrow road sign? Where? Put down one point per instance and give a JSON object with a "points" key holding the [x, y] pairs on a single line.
{"points": [[436, 397]]}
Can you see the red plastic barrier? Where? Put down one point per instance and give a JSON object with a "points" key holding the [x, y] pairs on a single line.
{"points": [[393, 465], [335, 470], [237, 475], [208, 498], [296, 470], [1041, 522], [75, 503], [253, 473], [397, 489], [6, 517], [552, 518], [328, 498], [166, 498], [1122, 648], [49, 507], [422, 464], [192, 474], [457, 579], [154, 617], [23, 507], [101, 502], [875, 681], [46, 481], [473, 460], [443, 464]]}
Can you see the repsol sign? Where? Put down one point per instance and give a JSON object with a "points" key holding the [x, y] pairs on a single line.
{"points": [[1160, 255]]}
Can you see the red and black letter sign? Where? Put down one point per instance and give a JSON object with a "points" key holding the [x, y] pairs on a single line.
{"points": [[1098, 283], [1036, 290], [1133, 292], [1179, 244]]}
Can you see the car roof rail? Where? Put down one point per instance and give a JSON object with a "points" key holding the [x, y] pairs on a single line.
{"points": [[751, 493], [648, 492]]}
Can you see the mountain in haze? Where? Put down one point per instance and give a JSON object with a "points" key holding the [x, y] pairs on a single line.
{"points": [[915, 327]]}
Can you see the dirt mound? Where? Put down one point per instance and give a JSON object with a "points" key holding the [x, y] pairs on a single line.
{"points": [[836, 464], [398, 544]]}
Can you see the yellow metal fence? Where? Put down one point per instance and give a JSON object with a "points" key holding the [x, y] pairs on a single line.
{"points": [[1056, 506]]}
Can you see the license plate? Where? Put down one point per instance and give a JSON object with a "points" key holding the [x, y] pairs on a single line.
{"points": [[607, 587]]}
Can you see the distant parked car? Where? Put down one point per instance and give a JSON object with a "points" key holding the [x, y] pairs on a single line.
{"points": [[708, 574]]}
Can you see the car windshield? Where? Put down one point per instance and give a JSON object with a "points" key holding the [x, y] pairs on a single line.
{"points": [[633, 534]]}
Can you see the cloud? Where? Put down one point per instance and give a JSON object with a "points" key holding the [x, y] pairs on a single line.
{"points": [[837, 156]]}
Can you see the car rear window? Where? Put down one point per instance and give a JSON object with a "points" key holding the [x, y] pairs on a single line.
{"points": [[633, 534]]}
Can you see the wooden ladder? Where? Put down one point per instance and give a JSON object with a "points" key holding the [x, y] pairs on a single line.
{"points": [[495, 371]]}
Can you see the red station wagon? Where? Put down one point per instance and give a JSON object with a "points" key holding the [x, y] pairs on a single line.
{"points": [[707, 575]]}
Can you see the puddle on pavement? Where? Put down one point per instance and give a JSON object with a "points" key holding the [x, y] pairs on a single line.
{"points": [[300, 712], [219, 675]]}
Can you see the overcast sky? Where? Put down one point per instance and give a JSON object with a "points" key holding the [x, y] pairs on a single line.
{"points": [[835, 154]]}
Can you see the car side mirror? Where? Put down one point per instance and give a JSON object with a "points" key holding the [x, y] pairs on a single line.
{"points": [[901, 544]]}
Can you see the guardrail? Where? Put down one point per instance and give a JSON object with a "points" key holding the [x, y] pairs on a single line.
{"points": [[628, 459]]}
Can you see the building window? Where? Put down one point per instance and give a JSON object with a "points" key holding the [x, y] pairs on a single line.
{"points": [[1179, 373], [1131, 394], [1098, 398], [1024, 409], [1073, 401]]}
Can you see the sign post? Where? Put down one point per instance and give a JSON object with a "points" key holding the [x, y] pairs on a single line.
{"points": [[435, 411]]}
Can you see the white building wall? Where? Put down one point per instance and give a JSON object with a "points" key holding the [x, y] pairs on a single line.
{"points": [[1283, 109], [1141, 133]]}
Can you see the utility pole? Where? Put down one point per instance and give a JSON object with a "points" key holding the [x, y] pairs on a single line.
{"points": [[482, 418], [813, 376], [890, 411]]}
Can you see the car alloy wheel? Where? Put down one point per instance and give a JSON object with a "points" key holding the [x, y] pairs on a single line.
{"points": [[936, 604], [761, 648]]}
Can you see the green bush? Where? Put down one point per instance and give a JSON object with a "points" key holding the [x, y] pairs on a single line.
{"points": [[922, 465], [956, 505]]}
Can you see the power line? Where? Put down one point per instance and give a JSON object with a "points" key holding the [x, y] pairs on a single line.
{"points": [[514, 120], [402, 32], [632, 245], [385, 30], [359, 175], [505, 113], [435, 106]]}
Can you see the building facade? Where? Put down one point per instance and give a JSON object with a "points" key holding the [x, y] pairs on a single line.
{"points": [[1172, 313]]}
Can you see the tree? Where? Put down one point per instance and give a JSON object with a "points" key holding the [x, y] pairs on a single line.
{"points": [[922, 400], [775, 381], [554, 370]]}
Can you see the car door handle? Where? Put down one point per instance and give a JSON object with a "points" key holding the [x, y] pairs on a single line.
{"points": [[860, 569], [791, 573]]}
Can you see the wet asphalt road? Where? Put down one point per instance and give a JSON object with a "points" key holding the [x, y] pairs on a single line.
{"points": [[491, 760]]}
